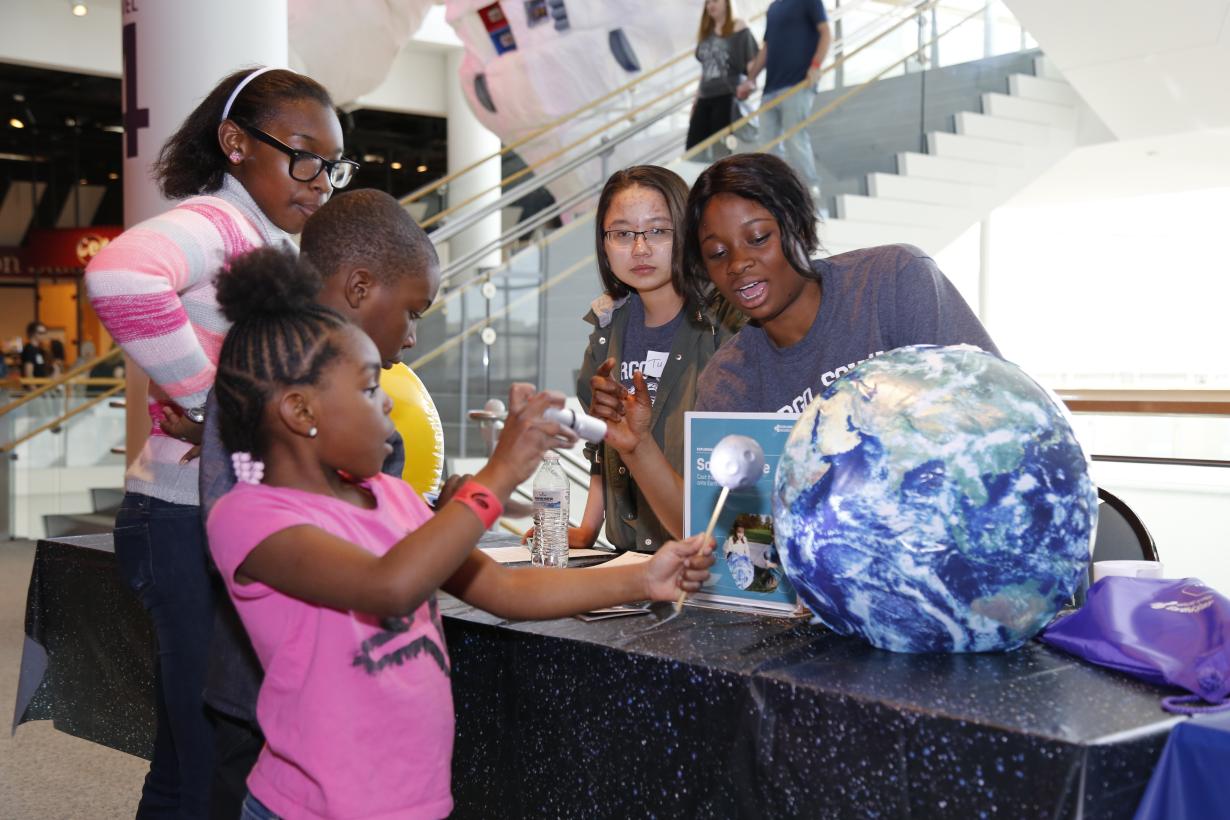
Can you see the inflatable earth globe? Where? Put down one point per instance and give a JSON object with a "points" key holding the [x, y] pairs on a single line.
{"points": [[934, 499]]}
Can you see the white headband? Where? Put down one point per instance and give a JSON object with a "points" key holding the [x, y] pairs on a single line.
{"points": [[226, 110]]}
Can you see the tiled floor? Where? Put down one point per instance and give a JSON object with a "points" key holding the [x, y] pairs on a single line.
{"points": [[46, 774]]}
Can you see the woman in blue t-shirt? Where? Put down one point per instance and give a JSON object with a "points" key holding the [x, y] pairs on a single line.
{"points": [[749, 236], [751, 230]]}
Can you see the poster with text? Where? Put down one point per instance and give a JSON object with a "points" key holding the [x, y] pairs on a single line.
{"points": [[746, 572]]}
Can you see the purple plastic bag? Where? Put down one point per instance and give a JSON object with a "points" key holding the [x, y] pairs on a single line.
{"points": [[1167, 632]]}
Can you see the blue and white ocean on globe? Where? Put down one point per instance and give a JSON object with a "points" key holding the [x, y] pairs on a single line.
{"points": [[935, 499]]}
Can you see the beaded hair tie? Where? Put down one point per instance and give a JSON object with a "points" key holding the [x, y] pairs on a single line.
{"points": [[248, 470]]}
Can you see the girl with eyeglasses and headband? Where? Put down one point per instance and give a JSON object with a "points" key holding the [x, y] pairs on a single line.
{"points": [[251, 163], [651, 340]]}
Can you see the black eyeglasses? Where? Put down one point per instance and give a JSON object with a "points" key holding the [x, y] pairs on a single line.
{"points": [[306, 166]]}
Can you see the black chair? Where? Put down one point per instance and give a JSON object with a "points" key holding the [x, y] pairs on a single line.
{"points": [[1121, 534]]}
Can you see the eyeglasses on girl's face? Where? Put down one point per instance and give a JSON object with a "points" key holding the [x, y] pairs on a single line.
{"points": [[306, 166], [652, 236]]}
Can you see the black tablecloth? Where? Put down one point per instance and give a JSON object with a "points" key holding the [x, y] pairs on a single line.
{"points": [[88, 661], [714, 714]]}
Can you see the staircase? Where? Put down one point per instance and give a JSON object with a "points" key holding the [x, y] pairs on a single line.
{"points": [[105, 502], [987, 157]]}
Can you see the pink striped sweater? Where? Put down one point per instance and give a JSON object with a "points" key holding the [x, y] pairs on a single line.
{"points": [[153, 289]]}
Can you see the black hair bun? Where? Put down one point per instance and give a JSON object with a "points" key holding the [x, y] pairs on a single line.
{"points": [[267, 281]]}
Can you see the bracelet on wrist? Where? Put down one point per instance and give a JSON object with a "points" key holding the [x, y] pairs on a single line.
{"points": [[481, 501]]}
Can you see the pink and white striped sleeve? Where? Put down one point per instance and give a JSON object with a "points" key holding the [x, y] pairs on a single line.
{"points": [[152, 288]]}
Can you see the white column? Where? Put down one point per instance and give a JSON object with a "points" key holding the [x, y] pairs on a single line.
{"points": [[468, 142], [174, 54]]}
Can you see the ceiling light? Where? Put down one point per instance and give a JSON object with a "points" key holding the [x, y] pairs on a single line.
{"points": [[113, 176], [396, 166], [70, 122], [422, 169], [16, 123], [79, 9], [83, 181], [373, 158]]}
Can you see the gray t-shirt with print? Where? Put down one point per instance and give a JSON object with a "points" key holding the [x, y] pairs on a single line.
{"points": [[723, 62], [645, 348], [874, 300]]}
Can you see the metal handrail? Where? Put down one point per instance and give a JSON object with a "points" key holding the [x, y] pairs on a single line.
{"points": [[17, 442], [440, 350], [59, 380], [1163, 460], [631, 115], [432, 187], [859, 89], [453, 228], [453, 270]]}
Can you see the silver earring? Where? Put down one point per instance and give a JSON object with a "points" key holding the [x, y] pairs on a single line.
{"points": [[312, 432]]}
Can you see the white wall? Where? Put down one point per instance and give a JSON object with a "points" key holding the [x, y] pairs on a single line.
{"points": [[44, 33], [1145, 67], [416, 84]]}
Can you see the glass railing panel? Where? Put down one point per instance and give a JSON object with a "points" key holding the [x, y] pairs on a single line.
{"points": [[1184, 508], [54, 471], [1183, 505], [859, 26], [1155, 436]]}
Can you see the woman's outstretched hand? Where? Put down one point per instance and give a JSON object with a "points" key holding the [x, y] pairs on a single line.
{"points": [[627, 415], [678, 565]]}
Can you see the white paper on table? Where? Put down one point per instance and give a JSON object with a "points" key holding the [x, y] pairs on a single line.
{"points": [[625, 559], [521, 554]]}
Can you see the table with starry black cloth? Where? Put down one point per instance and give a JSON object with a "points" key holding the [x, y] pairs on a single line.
{"points": [[88, 660], [713, 714], [725, 714]]}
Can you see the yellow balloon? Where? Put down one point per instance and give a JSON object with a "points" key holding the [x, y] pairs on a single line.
{"points": [[415, 417]]}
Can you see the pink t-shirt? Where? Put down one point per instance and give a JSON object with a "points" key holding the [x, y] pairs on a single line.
{"points": [[357, 710]]}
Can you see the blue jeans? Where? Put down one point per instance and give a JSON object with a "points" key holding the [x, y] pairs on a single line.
{"points": [[254, 809], [160, 549], [796, 150]]}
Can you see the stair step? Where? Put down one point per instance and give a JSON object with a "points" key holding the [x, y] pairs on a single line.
{"points": [[1015, 108], [899, 212], [1044, 67], [841, 233], [1000, 129], [927, 166], [106, 500], [973, 149], [919, 189], [57, 525], [1042, 89]]}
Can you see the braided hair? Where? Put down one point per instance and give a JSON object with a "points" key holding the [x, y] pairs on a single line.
{"points": [[279, 337]]}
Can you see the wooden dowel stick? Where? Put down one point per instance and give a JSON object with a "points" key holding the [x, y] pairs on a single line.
{"points": [[717, 510]]}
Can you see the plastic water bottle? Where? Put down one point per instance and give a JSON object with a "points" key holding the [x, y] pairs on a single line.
{"points": [[550, 548]]}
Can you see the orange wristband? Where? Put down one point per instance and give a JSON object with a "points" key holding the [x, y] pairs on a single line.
{"points": [[481, 501]]}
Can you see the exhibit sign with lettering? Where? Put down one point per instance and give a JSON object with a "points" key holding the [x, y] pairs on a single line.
{"points": [[746, 572]]}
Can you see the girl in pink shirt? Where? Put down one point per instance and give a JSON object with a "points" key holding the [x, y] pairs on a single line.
{"points": [[334, 567], [260, 153]]}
